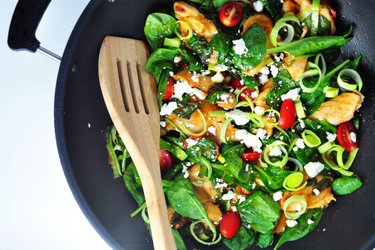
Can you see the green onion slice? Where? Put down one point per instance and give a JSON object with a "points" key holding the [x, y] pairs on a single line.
{"points": [[299, 109], [280, 24], [172, 42], [331, 92], [310, 138], [208, 166], [190, 133], [353, 75], [334, 158], [257, 120], [297, 163], [187, 25], [212, 227], [294, 181], [271, 113], [223, 130], [294, 207], [313, 71], [218, 113], [266, 154], [325, 147]]}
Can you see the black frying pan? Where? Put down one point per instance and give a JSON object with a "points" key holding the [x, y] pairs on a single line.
{"points": [[347, 224]]}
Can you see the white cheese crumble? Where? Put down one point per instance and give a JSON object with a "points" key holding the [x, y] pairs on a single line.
{"points": [[163, 124], [258, 6], [220, 184], [302, 123], [250, 140], [221, 68], [195, 77], [228, 196], [353, 137], [263, 79], [239, 47], [212, 130], [300, 144], [331, 137], [261, 133], [185, 172], [292, 94], [241, 199], [167, 109], [274, 70], [309, 221], [277, 196], [181, 88], [313, 168], [217, 78], [233, 208], [265, 70], [177, 59], [291, 223], [198, 93], [254, 94], [259, 110], [190, 142], [316, 191], [275, 151], [239, 117]]}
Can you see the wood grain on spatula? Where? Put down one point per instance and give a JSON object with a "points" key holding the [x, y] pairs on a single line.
{"points": [[130, 96]]}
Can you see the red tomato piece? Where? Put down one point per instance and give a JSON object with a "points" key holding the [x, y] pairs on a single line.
{"points": [[250, 156], [169, 89], [331, 9], [236, 83], [246, 92], [347, 136], [287, 114], [231, 14], [165, 159], [230, 224]]}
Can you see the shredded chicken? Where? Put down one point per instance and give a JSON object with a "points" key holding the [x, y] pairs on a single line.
{"points": [[197, 21], [339, 109]]}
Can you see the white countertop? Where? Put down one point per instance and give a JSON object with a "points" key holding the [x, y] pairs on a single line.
{"points": [[37, 208]]}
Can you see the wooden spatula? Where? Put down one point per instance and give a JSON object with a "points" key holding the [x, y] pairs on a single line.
{"points": [[130, 96]]}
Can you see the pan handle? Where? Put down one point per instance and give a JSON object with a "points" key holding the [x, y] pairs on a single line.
{"points": [[25, 21]]}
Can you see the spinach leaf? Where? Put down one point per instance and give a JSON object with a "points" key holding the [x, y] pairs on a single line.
{"points": [[242, 240], [182, 199], [221, 43], [186, 110], [283, 83], [161, 60], [255, 40], [260, 211], [346, 185], [273, 7], [133, 183], [199, 47], [162, 84], [215, 95], [175, 150], [204, 147], [272, 177], [312, 45], [306, 155], [180, 244], [265, 240], [324, 27], [302, 228], [159, 26]]}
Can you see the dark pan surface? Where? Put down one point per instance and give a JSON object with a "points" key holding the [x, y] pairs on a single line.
{"points": [[81, 120]]}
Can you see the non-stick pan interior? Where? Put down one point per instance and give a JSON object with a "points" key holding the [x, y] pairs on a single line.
{"points": [[81, 121]]}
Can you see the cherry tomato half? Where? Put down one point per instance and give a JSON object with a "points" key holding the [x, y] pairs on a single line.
{"points": [[236, 83], [230, 224], [347, 136], [231, 14], [246, 93], [165, 160], [250, 156], [331, 9], [287, 114], [169, 89]]}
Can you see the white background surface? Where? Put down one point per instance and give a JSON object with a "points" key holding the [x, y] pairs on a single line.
{"points": [[37, 208]]}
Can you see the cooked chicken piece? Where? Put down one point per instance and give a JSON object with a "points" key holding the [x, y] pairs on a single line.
{"points": [[263, 21], [197, 21], [198, 81], [206, 194], [339, 109], [227, 101], [281, 225], [296, 68], [260, 100], [290, 6]]}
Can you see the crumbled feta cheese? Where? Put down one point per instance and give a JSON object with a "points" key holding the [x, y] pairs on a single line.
{"points": [[177, 59], [198, 93], [195, 77], [221, 68], [250, 140], [205, 72], [277, 196], [291, 94], [274, 71], [309, 221], [265, 70], [220, 184], [181, 88], [258, 6], [302, 123], [331, 137], [218, 77], [300, 144], [212, 130], [167, 109], [316, 191], [259, 110], [239, 47], [171, 73], [263, 79], [241, 199], [291, 223], [163, 124], [190, 142], [313, 168], [228, 196], [254, 185], [298, 207], [233, 208], [185, 172], [261, 133], [254, 94], [239, 117], [353, 137], [275, 151]]}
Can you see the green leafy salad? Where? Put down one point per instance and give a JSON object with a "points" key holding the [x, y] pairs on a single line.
{"points": [[258, 119]]}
